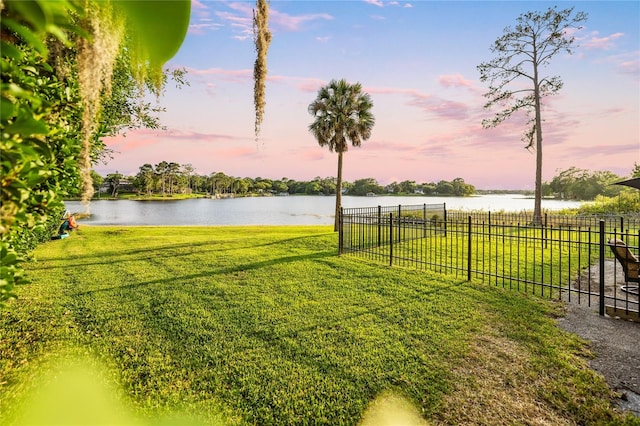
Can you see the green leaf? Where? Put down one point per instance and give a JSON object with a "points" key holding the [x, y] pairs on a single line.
{"points": [[26, 34], [30, 68], [160, 26], [18, 92], [9, 259], [9, 51], [27, 125], [59, 34], [7, 109], [32, 12]]}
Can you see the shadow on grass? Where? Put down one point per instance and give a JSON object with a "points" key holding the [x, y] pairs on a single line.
{"points": [[165, 251], [327, 337], [221, 271], [327, 347]]}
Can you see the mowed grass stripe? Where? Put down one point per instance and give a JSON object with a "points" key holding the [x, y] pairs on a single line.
{"points": [[267, 325]]}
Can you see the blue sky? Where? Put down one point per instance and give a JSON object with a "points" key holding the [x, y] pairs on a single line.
{"points": [[417, 60]]}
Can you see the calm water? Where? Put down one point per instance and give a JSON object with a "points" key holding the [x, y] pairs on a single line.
{"points": [[293, 210]]}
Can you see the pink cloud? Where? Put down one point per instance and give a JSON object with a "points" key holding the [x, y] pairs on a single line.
{"points": [[204, 23], [428, 103], [441, 107], [294, 23], [242, 23], [276, 78], [312, 154], [602, 43], [123, 144], [438, 150], [203, 27], [396, 91], [389, 146], [630, 67], [276, 19], [627, 63], [235, 20], [200, 10], [614, 111], [242, 7], [210, 88], [142, 137], [303, 84], [236, 76], [198, 5], [456, 80], [311, 85], [604, 150], [195, 136], [380, 3], [237, 153]]}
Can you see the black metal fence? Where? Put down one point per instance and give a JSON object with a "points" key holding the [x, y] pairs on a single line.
{"points": [[564, 257]]}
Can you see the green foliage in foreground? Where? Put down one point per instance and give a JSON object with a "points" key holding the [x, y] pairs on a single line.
{"points": [[628, 201], [42, 117], [267, 325]]}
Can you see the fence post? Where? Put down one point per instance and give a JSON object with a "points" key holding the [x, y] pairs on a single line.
{"points": [[546, 236], [469, 249], [379, 225], [390, 239], [424, 220], [602, 296], [340, 232], [399, 224], [444, 208], [489, 220]]}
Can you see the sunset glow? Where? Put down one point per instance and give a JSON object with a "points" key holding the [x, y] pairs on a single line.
{"points": [[418, 62]]}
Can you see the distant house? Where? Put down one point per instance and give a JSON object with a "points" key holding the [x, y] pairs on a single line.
{"points": [[371, 194], [126, 186], [418, 191], [123, 186]]}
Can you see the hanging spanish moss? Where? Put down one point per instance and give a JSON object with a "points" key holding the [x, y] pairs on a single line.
{"points": [[96, 59], [262, 39]]}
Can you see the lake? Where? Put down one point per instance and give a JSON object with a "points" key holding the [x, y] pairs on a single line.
{"points": [[292, 210]]}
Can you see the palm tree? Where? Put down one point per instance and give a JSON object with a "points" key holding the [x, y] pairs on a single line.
{"points": [[342, 114]]}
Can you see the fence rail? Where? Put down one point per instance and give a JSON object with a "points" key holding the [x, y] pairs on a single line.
{"points": [[564, 257]]}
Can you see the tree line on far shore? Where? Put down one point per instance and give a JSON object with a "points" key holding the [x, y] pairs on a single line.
{"points": [[170, 179]]}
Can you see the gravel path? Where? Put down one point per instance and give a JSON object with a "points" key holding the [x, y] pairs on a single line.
{"points": [[616, 345]]}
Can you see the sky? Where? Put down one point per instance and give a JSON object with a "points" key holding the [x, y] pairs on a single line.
{"points": [[418, 62]]}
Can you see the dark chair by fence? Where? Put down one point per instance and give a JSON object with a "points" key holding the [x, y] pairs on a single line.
{"points": [[630, 264]]}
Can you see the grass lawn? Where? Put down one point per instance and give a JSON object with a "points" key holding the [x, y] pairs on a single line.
{"points": [[267, 325]]}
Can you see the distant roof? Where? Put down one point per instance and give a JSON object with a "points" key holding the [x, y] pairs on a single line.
{"points": [[634, 182]]}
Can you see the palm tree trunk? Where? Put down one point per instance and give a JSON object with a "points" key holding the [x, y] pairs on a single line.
{"points": [[338, 194]]}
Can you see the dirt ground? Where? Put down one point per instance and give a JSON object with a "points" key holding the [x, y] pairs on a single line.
{"points": [[614, 341]]}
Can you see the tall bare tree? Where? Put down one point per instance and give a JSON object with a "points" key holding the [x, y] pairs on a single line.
{"points": [[342, 114], [522, 51]]}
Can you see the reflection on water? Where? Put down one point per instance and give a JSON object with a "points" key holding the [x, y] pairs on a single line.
{"points": [[294, 210]]}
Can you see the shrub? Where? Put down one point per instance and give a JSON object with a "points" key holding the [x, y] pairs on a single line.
{"points": [[627, 201]]}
